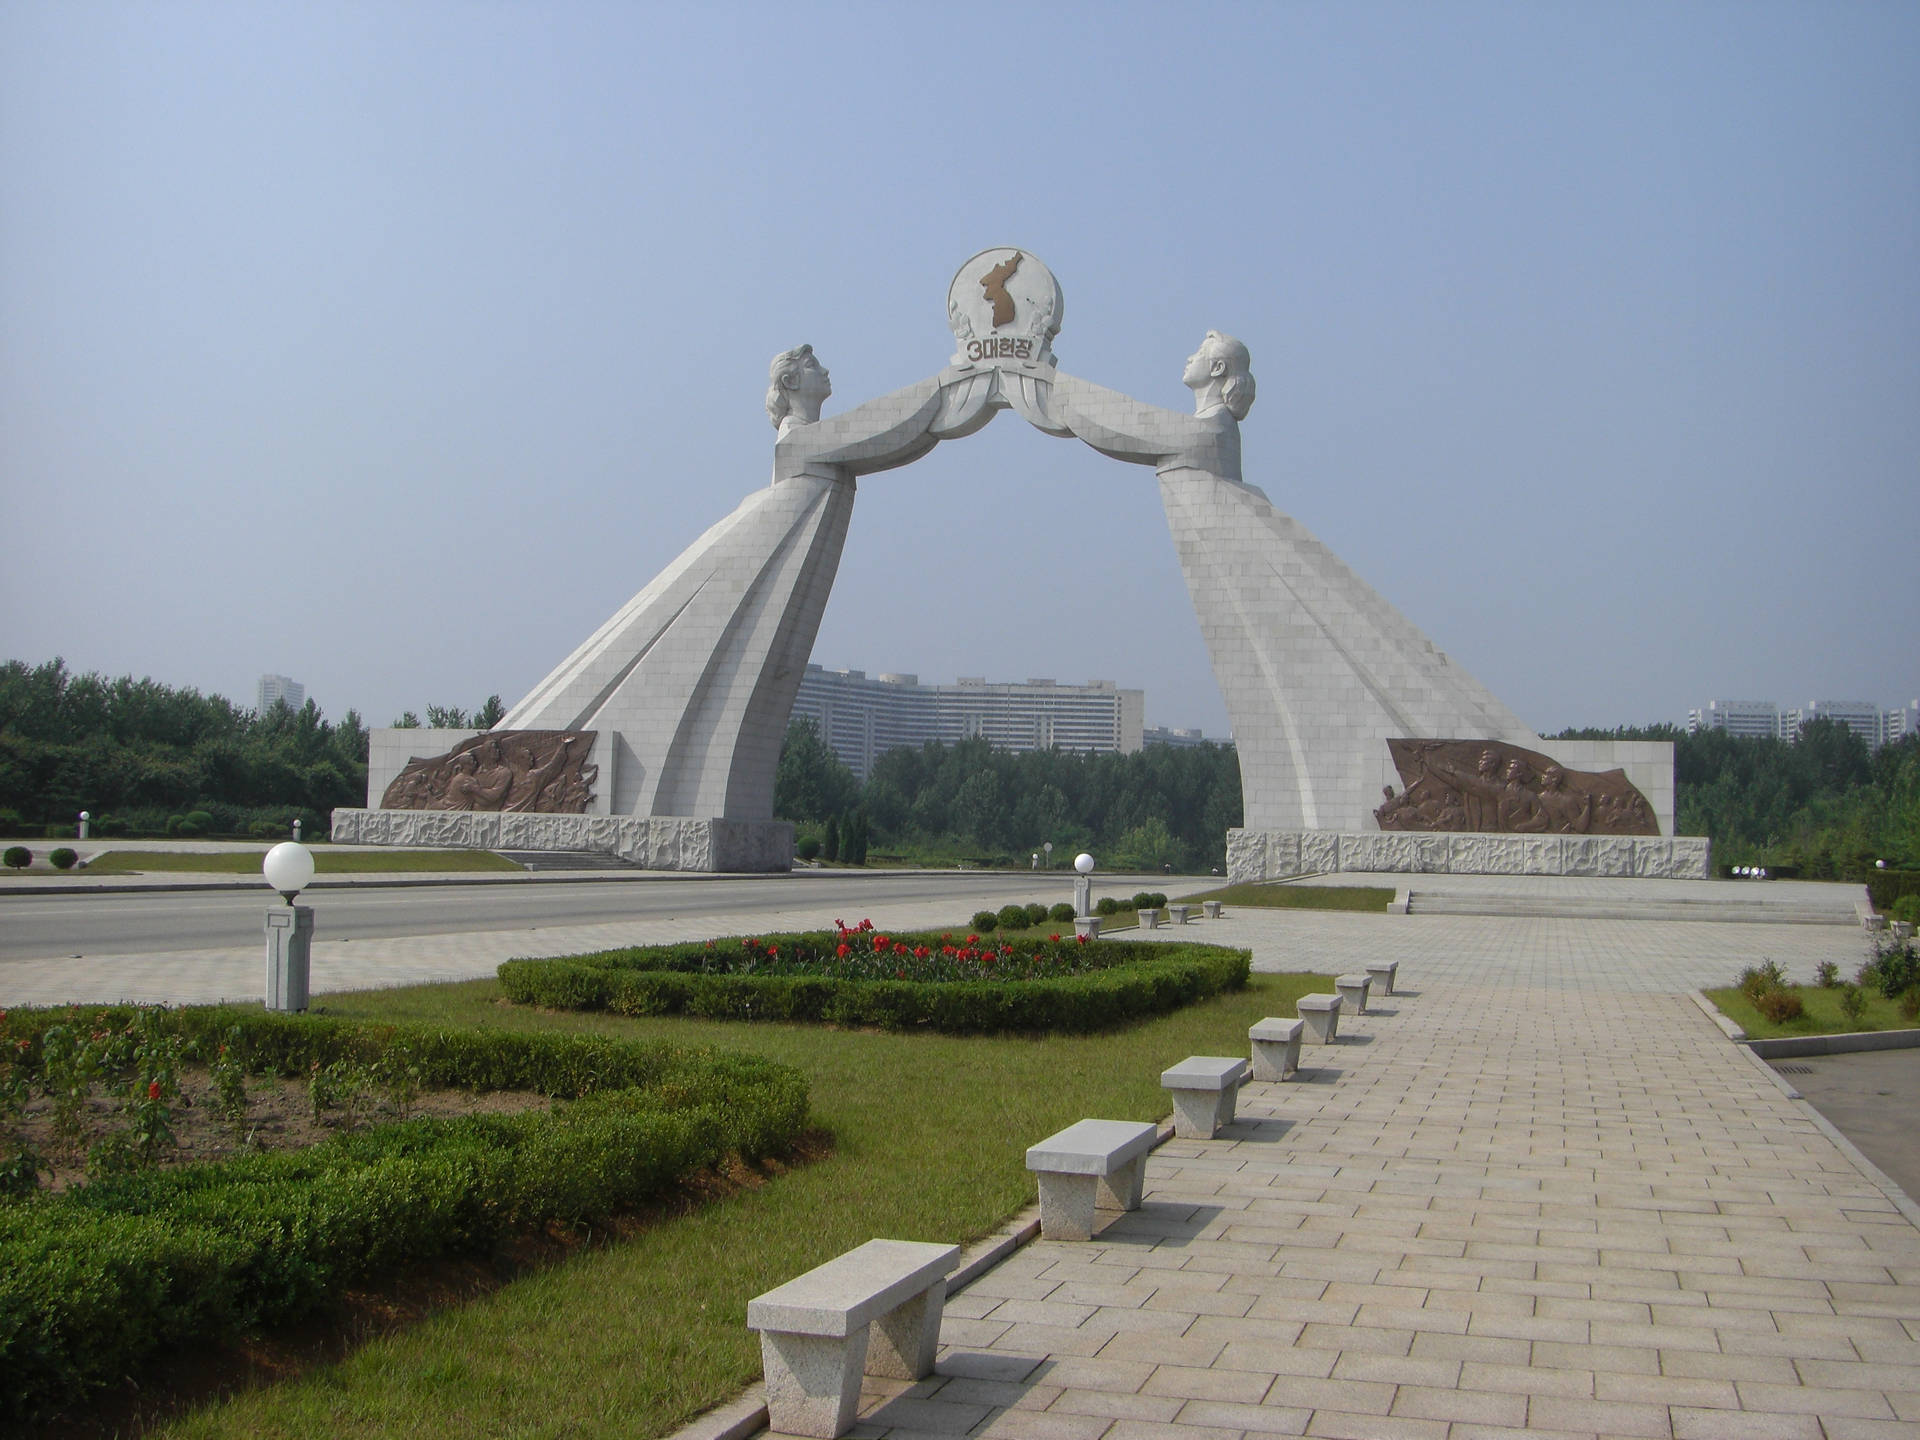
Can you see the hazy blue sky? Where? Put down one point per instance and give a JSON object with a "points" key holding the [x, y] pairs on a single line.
{"points": [[392, 347]]}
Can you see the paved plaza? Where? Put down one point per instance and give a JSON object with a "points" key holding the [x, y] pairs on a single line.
{"points": [[1536, 1193]]}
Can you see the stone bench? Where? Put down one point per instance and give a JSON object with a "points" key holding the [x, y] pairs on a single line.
{"points": [[1322, 1014], [874, 1310], [1149, 919], [1204, 1088], [1353, 989], [1211, 909], [1276, 1047], [1383, 974], [1180, 913], [1903, 929], [1091, 1165]]}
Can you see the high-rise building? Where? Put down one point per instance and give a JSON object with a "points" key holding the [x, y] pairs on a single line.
{"points": [[1862, 717], [1749, 719], [1898, 724], [862, 718], [275, 688]]}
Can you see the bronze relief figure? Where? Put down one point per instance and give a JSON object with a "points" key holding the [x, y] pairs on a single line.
{"points": [[1489, 786]]}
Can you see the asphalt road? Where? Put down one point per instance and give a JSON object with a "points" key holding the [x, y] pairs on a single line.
{"points": [[1871, 1097], [48, 926]]}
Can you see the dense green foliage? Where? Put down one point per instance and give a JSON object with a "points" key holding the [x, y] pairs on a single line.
{"points": [[1116, 983], [142, 756], [1159, 806], [96, 1279]]}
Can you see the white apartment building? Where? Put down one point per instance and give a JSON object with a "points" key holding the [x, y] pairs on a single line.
{"points": [[275, 688], [1762, 719], [862, 718], [1748, 719]]}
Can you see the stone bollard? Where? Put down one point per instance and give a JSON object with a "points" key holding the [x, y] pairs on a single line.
{"points": [[1212, 909], [1087, 925]]}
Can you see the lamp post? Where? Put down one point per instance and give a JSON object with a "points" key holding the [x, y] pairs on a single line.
{"points": [[1085, 922], [85, 816], [289, 869]]}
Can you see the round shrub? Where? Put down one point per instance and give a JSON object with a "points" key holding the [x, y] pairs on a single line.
{"points": [[63, 859], [1012, 917], [1062, 912], [1036, 912], [1780, 1006], [808, 849], [1107, 905], [18, 857], [985, 922], [1156, 901], [1144, 901]]}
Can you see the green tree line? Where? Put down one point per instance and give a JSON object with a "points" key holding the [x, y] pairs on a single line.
{"points": [[144, 757], [1159, 806]]}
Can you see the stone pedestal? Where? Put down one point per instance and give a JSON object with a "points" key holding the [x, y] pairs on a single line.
{"points": [[289, 957], [652, 842], [1256, 855]]}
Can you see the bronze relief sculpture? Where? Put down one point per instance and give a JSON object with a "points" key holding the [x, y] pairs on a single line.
{"points": [[1489, 786], [525, 771]]}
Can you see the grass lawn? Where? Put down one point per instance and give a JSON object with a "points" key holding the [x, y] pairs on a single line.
{"points": [[636, 1338], [326, 862], [1281, 895], [1823, 1015]]}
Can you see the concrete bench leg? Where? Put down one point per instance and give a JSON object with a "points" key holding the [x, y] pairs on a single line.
{"points": [[1121, 1190], [906, 1338], [1066, 1206], [813, 1381], [1323, 1026], [1276, 1060], [1199, 1114]]}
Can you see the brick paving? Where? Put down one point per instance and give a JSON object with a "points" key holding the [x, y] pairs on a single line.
{"points": [[1537, 1193]]}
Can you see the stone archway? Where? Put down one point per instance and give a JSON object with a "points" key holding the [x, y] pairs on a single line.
{"points": [[681, 698]]}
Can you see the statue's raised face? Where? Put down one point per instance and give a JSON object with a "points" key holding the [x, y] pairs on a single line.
{"points": [[808, 380], [1205, 364]]}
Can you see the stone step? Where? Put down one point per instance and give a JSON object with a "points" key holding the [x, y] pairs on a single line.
{"points": [[567, 860], [1584, 908]]}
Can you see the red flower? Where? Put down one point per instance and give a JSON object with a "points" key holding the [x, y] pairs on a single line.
{"points": [[919, 952], [973, 939], [881, 941], [153, 1090], [1081, 938], [773, 949], [1054, 938], [841, 952]]}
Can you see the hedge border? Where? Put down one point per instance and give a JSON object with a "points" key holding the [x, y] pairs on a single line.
{"points": [[97, 1280], [1144, 978]]}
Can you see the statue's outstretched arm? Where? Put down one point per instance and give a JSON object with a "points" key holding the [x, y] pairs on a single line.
{"points": [[1117, 425], [882, 433]]}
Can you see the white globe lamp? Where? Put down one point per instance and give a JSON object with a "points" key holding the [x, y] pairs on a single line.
{"points": [[1083, 862], [288, 868]]}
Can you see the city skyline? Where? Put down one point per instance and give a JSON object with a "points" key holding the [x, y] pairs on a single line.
{"points": [[395, 349]]}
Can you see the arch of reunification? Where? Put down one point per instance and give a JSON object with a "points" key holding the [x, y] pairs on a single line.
{"points": [[1361, 745]]}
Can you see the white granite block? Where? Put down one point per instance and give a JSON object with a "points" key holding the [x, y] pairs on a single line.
{"points": [[1353, 991], [1276, 1047], [1204, 1089], [1322, 1014], [1383, 973]]}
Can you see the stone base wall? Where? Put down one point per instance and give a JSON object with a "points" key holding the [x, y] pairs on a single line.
{"points": [[1276, 854], [653, 842]]}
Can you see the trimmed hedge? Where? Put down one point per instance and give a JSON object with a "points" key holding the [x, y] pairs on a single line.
{"points": [[1888, 886], [96, 1280], [1134, 980]]}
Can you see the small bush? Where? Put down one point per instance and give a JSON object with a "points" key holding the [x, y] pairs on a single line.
{"points": [[1012, 917], [808, 849], [1906, 908], [1061, 914], [1036, 913], [1158, 901], [18, 857], [1827, 974], [1853, 1003], [1144, 901], [1896, 968], [1106, 905], [1757, 980], [1780, 1006], [63, 859], [985, 921]]}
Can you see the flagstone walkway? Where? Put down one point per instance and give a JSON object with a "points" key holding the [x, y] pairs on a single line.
{"points": [[1536, 1193]]}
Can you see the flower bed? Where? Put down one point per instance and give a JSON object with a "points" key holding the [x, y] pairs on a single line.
{"points": [[956, 984], [96, 1279]]}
